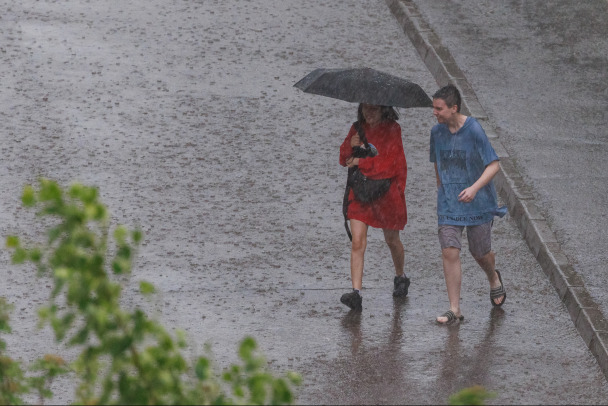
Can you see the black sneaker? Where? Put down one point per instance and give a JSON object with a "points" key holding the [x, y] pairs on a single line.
{"points": [[352, 300], [402, 284]]}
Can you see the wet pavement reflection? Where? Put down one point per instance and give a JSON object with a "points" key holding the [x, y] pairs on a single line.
{"points": [[461, 369], [375, 369]]}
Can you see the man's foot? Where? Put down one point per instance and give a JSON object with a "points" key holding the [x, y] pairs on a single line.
{"points": [[498, 295], [449, 317], [402, 284], [352, 300]]}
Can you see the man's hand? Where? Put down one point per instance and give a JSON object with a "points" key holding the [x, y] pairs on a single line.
{"points": [[467, 195]]}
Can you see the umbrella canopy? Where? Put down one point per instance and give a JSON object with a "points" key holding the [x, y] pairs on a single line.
{"points": [[365, 85]]}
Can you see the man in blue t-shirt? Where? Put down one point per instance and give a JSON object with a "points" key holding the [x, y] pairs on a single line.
{"points": [[465, 164]]}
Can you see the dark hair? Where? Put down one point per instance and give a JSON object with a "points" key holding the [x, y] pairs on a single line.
{"points": [[388, 114], [450, 95]]}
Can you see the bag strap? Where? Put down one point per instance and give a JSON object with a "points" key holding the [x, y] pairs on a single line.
{"points": [[361, 132], [345, 201], [351, 171]]}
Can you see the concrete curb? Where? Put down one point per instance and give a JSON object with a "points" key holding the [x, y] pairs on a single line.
{"points": [[588, 319]]}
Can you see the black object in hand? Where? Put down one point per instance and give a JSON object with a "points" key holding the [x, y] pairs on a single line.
{"points": [[362, 152]]}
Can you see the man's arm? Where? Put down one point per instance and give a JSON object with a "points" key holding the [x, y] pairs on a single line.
{"points": [[437, 176], [469, 193]]}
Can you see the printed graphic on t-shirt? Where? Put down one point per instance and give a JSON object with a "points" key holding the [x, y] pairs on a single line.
{"points": [[454, 166]]}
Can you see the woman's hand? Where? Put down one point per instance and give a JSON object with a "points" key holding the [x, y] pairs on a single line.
{"points": [[355, 141], [350, 162]]}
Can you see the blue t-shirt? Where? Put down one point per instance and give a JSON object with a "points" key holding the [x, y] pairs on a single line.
{"points": [[461, 158]]}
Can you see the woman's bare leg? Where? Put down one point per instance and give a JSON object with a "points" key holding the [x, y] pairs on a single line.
{"points": [[357, 253], [397, 251]]}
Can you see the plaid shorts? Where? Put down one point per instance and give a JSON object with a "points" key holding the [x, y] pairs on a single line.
{"points": [[480, 238]]}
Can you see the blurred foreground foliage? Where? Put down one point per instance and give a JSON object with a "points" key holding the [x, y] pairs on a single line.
{"points": [[474, 395], [124, 356]]}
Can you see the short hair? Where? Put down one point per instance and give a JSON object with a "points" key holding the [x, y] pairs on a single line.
{"points": [[450, 95], [388, 113]]}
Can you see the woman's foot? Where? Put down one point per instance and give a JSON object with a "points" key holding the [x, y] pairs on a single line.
{"points": [[352, 300], [401, 286]]}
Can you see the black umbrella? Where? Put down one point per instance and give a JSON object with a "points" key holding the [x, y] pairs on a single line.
{"points": [[365, 85]]}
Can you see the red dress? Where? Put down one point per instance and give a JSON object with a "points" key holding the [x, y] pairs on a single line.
{"points": [[389, 211]]}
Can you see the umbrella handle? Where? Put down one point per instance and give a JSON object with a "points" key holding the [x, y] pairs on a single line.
{"points": [[361, 132]]}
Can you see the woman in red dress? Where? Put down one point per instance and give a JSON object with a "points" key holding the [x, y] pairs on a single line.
{"points": [[389, 211]]}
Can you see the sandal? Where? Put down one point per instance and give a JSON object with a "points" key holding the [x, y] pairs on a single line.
{"points": [[451, 317], [498, 292]]}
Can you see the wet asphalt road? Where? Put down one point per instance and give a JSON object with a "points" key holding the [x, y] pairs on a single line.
{"points": [[184, 114]]}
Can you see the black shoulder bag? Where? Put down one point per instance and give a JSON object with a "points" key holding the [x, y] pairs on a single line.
{"points": [[366, 190]]}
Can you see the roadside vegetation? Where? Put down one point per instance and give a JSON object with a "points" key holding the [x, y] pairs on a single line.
{"points": [[125, 357], [474, 395]]}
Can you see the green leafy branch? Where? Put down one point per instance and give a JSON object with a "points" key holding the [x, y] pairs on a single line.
{"points": [[126, 357]]}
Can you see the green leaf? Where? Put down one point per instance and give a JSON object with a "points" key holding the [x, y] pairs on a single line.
{"points": [[120, 266], [19, 256], [203, 369], [50, 191], [12, 241], [137, 236], [146, 288], [294, 378], [28, 198], [124, 252], [120, 233], [248, 345], [35, 255], [88, 195], [62, 273], [474, 395]]}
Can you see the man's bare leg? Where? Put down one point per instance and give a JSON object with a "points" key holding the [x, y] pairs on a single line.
{"points": [[488, 264], [452, 272]]}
